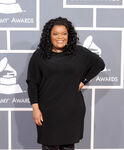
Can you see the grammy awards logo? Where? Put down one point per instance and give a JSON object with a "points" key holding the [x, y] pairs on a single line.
{"points": [[13, 16], [8, 78], [10, 7], [89, 44]]}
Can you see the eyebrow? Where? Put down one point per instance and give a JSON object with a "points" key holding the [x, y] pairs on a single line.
{"points": [[63, 31]]}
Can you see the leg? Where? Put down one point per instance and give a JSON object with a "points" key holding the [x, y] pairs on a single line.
{"points": [[67, 147], [50, 147]]}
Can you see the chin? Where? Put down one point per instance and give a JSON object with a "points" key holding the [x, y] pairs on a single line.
{"points": [[59, 47]]}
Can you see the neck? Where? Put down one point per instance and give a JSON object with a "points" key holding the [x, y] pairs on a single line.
{"points": [[57, 49]]}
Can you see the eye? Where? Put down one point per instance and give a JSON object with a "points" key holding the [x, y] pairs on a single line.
{"points": [[54, 33], [65, 33]]}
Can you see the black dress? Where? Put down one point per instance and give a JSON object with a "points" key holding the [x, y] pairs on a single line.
{"points": [[53, 84]]}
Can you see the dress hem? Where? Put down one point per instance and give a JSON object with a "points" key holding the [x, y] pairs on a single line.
{"points": [[76, 141]]}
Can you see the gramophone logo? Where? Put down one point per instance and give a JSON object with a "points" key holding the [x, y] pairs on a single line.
{"points": [[10, 7], [88, 43], [8, 78]]}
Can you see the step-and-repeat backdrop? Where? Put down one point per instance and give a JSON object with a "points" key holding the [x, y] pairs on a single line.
{"points": [[100, 27]]}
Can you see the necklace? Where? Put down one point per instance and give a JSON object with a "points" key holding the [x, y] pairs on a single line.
{"points": [[55, 50]]}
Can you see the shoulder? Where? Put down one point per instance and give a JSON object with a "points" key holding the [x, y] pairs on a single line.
{"points": [[35, 55], [83, 50], [35, 58], [86, 52]]}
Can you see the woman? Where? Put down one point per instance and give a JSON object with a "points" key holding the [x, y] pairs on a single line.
{"points": [[57, 71]]}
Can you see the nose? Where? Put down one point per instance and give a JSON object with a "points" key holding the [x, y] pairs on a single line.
{"points": [[60, 36]]}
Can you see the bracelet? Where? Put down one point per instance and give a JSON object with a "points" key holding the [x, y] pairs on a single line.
{"points": [[85, 81]]}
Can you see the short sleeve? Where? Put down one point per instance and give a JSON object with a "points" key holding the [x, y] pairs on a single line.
{"points": [[94, 66], [34, 76]]}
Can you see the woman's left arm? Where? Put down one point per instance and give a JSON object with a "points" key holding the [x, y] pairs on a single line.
{"points": [[95, 64]]}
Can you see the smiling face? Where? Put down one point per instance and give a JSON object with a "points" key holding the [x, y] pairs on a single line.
{"points": [[59, 36]]}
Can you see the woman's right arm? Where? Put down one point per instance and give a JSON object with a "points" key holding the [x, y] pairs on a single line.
{"points": [[33, 81], [37, 115]]}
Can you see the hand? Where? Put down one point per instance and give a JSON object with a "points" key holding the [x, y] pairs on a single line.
{"points": [[37, 117], [80, 86]]}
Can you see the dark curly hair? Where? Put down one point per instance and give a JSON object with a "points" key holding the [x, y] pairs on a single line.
{"points": [[45, 45]]}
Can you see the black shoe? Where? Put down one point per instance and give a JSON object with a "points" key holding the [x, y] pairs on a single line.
{"points": [[50, 147], [67, 147]]}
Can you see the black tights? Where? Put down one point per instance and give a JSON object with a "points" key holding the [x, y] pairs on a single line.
{"points": [[58, 147]]}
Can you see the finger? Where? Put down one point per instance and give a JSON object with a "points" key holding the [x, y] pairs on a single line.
{"points": [[38, 123], [78, 89], [82, 86], [41, 118]]}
